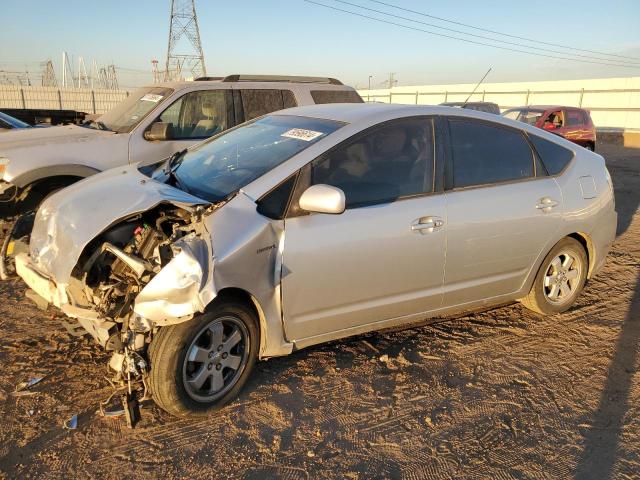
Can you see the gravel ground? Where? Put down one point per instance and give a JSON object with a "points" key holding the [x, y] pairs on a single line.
{"points": [[501, 394]]}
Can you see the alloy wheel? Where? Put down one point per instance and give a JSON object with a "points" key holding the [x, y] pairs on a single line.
{"points": [[562, 277], [215, 359]]}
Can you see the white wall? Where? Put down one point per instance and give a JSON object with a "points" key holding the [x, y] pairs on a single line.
{"points": [[613, 102], [59, 98]]}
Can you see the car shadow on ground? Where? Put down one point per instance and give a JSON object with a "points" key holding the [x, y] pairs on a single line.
{"points": [[602, 441], [601, 448]]}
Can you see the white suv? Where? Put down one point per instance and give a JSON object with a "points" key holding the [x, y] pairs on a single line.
{"points": [[151, 124]]}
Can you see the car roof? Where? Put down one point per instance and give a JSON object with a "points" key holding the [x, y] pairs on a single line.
{"points": [[257, 83], [356, 112], [547, 107], [453, 104]]}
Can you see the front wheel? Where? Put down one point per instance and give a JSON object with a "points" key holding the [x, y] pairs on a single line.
{"points": [[200, 365], [560, 279]]}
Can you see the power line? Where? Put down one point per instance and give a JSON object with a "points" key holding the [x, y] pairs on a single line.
{"points": [[484, 37], [465, 39], [499, 33]]}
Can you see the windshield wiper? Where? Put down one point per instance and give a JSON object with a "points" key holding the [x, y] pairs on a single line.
{"points": [[100, 125], [173, 163]]}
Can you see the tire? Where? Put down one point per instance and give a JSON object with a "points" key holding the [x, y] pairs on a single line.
{"points": [[184, 355], [555, 289]]}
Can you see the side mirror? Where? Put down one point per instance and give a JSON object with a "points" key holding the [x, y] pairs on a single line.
{"points": [[323, 199], [159, 131]]}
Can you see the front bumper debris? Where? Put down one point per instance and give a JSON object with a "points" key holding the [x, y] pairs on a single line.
{"points": [[39, 282]]}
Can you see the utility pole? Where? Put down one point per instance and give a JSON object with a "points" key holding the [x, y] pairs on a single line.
{"points": [[189, 56], [392, 81], [155, 72], [49, 75], [370, 77]]}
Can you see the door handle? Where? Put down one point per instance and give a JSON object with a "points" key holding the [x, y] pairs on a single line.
{"points": [[426, 224], [546, 204]]}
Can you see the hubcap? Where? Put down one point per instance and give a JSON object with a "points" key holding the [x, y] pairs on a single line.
{"points": [[562, 277], [215, 359]]}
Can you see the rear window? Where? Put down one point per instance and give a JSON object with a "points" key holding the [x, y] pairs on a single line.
{"points": [[554, 157], [575, 117], [336, 96]]}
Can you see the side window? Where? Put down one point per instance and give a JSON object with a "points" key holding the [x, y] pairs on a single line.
{"points": [[554, 157], [554, 120], [197, 114], [274, 204], [335, 96], [389, 162], [483, 154], [288, 99], [574, 117], [256, 103]]}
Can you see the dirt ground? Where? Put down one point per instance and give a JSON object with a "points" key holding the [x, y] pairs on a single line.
{"points": [[501, 394]]}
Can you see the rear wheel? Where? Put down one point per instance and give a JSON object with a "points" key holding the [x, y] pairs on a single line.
{"points": [[560, 279], [199, 365]]}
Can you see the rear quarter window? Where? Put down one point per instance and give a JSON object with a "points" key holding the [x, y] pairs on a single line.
{"points": [[336, 96], [554, 157], [575, 117]]}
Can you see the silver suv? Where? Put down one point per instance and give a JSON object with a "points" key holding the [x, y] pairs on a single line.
{"points": [[313, 224]]}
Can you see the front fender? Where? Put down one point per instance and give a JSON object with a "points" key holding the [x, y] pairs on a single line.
{"points": [[65, 170]]}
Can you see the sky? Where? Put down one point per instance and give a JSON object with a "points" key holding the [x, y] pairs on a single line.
{"points": [[299, 38]]}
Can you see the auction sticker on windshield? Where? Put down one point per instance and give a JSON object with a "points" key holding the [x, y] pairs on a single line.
{"points": [[151, 97], [301, 134]]}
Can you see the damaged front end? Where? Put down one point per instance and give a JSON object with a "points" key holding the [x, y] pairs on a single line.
{"points": [[146, 271], [149, 269]]}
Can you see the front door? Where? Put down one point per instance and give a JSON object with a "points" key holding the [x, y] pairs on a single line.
{"points": [[384, 256], [193, 117]]}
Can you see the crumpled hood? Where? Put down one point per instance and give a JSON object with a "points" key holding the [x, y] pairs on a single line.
{"points": [[25, 137], [67, 221]]}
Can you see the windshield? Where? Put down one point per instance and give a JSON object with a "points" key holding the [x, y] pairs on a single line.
{"points": [[224, 164], [14, 122], [524, 115], [127, 114]]}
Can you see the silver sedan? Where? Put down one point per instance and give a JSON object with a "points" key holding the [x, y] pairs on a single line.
{"points": [[313, 224]]}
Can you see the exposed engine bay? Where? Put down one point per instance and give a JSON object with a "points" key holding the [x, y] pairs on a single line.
{"points": [[112, 271], [116, 266]]}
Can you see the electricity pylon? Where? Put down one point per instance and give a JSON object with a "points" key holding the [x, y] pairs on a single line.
{"points": [[186, 56]]}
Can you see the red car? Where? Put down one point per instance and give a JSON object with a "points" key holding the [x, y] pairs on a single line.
{"points": [[572, 123]]}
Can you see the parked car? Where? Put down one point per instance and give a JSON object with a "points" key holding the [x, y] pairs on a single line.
{"points": [[488, 107], [572, 123], [152, 123], [7, 122], [313, 224]]}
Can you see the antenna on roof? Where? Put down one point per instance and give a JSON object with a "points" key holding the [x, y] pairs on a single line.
{"points": [[476, 87]]}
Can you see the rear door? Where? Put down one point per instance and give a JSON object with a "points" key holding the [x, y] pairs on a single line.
{"points": [[502, 210], [250, 103], [383, 257], [193, 117]]}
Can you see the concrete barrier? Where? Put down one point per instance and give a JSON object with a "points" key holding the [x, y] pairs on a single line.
{"points": [[614, 103]]}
